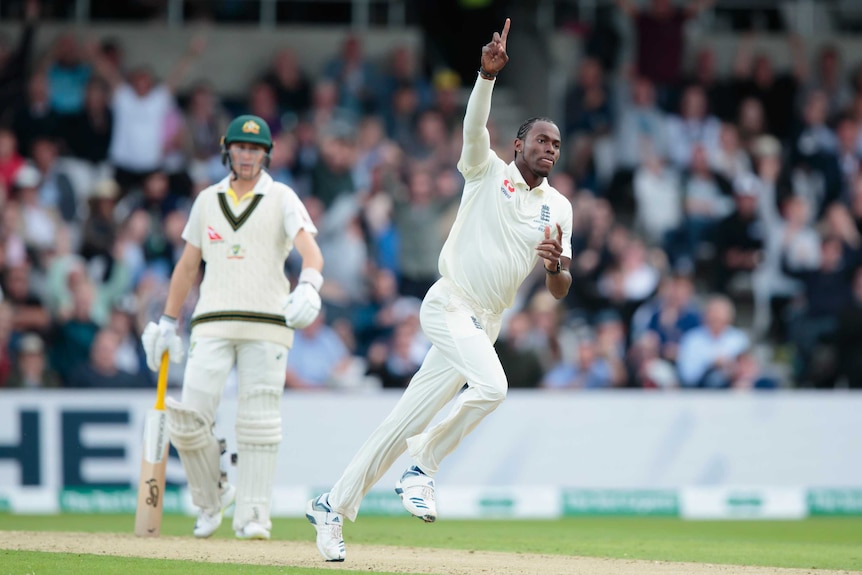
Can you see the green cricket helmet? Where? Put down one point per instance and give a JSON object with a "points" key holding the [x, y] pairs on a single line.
{"points": [[249, 129]]}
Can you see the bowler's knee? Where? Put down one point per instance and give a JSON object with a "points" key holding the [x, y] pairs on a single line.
{"points": [[493, 392]]}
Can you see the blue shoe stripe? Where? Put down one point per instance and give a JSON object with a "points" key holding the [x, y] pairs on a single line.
{"points": [[413, 471], [318, 505]]}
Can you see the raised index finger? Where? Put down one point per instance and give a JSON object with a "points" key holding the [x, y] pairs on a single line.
{"points": [[559, 232], [505, 32]]}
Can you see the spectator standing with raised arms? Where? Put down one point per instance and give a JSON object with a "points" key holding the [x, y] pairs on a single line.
{"points": [[503, 229], [141, 106], [243, 227]]}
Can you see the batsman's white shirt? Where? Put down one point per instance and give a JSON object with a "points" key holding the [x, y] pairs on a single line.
{"points": [[245, 244]]}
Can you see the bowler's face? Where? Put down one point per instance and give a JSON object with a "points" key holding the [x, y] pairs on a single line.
{"points": [[541, 148]]}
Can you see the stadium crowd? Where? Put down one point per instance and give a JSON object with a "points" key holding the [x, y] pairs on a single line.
{"points": [[718, 213]]}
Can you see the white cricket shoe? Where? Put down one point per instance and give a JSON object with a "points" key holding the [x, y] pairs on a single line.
{"points": [[328, 523], [417, 494], [252, 530], [207, 524]]}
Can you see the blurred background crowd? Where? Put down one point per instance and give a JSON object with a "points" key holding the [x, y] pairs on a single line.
{"points": [[718, 209]]}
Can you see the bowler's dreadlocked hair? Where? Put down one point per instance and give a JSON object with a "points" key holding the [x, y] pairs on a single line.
{"points": [[525, 127]]}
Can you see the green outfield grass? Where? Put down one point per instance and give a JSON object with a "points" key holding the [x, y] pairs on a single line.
{"points": [[29, 563], [817, 543]]}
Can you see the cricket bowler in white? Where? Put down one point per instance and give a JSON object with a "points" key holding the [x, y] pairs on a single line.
{"points": [[509, 220], [243, 227]]}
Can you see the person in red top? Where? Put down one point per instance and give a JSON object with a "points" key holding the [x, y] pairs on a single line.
{"points": [[10, 161], [660, 41]]}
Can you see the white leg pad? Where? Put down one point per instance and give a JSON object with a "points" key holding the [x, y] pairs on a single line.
{"points": [[200, 453], [258, 434]]}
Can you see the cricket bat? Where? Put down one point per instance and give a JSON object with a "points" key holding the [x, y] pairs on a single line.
{"points": [[154, 461]]}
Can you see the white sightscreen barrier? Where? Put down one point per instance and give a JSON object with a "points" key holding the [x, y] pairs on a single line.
{"points": [[693, 449]]}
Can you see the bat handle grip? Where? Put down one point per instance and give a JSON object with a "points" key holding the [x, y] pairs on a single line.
{"points": [[162, 387]]}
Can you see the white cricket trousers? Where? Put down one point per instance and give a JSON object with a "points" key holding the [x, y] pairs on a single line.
{"points": [[210, 361], [261, 367], [463, 336]]}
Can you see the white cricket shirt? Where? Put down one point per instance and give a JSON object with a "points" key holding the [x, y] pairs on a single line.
{"points": [[492, 245], [245, 245]]}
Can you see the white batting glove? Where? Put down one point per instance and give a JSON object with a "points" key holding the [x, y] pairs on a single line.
{"points": [[303, 303], [157, 338]]}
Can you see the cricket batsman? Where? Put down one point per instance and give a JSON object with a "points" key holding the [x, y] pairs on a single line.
{"points": [[510, 219], [243, 227]]}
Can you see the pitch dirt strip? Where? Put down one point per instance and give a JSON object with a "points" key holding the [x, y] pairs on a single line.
{"points": [[371, 558]]}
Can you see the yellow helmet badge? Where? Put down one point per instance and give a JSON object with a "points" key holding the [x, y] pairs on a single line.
{"points": [[251, 127]]}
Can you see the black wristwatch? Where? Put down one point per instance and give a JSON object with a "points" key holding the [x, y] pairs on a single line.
{"points": [[556, 270]]}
